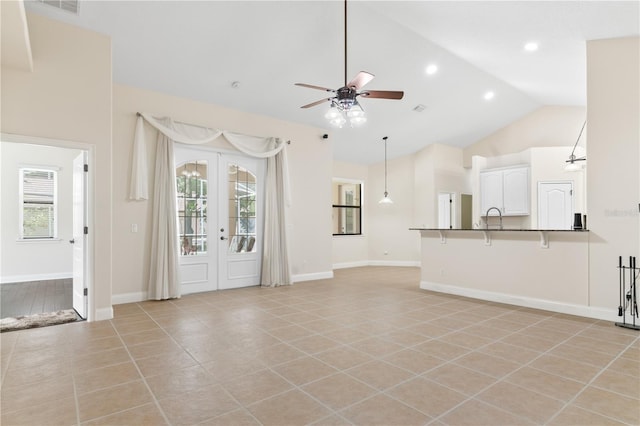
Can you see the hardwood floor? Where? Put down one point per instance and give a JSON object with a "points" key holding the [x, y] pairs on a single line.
{"points": [[35, 297]]}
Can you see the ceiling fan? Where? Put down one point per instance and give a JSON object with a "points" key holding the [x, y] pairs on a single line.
{"points": [[344, 99]]}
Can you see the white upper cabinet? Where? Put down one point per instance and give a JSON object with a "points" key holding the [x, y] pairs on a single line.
{"points": [[506, 189]]}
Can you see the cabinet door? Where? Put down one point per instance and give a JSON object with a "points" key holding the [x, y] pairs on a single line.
{"points": [[490, 191], [516, 191]]}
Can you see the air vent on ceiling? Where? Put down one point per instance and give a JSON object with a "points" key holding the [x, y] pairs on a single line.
{"points": [[68, 5]]}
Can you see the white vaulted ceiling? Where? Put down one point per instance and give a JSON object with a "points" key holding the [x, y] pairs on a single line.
{"points": [[197, 49]]}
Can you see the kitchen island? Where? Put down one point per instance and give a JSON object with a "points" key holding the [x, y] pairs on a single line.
{"points": [[543, 269]]}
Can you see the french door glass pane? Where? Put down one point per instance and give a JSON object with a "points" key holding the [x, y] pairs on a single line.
{"points": [[242, 210], [191, 185]]}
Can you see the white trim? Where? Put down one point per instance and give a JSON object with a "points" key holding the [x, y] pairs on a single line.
{"points": [[38, 240], [345, 265], [547, 305], [103, 314], [311, 277], [119, 299], [35, 277], [403, 263], [361, 263]]}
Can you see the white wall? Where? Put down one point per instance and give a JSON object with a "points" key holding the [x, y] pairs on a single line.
{"points": [[547, 165], [390, 240], [67, 99], [35, 260], [547, 126], [613, 175], [308, 219]]}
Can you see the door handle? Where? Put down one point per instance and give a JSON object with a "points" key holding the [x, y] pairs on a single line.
{"points": [[72, 241], [223, 238]]}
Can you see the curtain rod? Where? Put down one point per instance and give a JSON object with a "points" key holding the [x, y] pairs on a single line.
{"points": [[139, 114]]}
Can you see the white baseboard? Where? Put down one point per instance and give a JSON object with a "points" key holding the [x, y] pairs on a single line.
{"points": [[104, 314], [35, 277], [361, 263], [311, 277], [346, 265], [402, 263], [119, 299], [528, 302]]}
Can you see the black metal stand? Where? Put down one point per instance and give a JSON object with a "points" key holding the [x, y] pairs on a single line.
{"points": [[628, 297]]}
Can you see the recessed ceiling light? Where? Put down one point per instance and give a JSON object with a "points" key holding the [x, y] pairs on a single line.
{"points": [[532, 46], [489, 95], [431, 69]]}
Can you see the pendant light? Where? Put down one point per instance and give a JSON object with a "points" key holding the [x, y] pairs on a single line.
{"points": [[386, 199], [571, 165]]}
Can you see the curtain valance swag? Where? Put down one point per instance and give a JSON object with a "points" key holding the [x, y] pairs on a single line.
{"points": [[254, 146]]}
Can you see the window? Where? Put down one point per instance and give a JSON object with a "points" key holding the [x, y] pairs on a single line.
{"points": [[191, 185], [347, 208], [38, 199]]}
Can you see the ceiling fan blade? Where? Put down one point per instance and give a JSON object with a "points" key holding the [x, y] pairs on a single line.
{"points": [[360, 80], [311, 86], [312, 104], [382, 94]]}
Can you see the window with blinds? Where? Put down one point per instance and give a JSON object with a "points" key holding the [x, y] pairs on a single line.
{"points": [[38, 202]]}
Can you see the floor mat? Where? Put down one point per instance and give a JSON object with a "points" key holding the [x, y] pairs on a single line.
{"points": [[37, 320]]}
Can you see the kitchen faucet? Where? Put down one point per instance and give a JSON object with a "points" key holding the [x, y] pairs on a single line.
{"points": [[487, 216]]}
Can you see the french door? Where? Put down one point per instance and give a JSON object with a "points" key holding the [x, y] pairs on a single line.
{"points": [[220, 219]]}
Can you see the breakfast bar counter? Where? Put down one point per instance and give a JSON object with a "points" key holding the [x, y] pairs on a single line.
{"points": [[538, 268]]}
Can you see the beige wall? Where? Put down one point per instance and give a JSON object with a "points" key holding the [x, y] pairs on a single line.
{"points": [[390, 241], [547, 126], [309, 218], [67, 99], [613, 175]]}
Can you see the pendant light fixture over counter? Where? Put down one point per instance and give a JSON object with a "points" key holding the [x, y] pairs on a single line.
{"points": [[386, 199], [571, 165]]}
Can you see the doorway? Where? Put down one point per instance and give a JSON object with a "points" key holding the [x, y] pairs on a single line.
{"points": [[220, 219], [466, 211], [446, 210], [44, 224]]}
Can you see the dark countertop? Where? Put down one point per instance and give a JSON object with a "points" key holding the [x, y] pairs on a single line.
{"points": [[499, 230]]}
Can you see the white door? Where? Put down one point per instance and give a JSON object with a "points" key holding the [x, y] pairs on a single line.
{"points": [[240, 221], [219, 219], [555, 205], [445, 202], [197, 190], [79, 236]]}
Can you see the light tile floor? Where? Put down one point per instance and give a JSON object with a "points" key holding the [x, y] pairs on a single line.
{"points": [[367, 347]]}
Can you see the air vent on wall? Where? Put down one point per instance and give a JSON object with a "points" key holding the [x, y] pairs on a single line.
{"points": [[68, 5]]}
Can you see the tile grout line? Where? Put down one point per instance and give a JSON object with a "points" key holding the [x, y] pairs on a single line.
{"points": [[499, 379], [144, 380], [198, 363], [593, 379]]}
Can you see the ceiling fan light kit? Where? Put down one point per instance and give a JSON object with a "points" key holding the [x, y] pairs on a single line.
{"points": [[344, 105]]}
